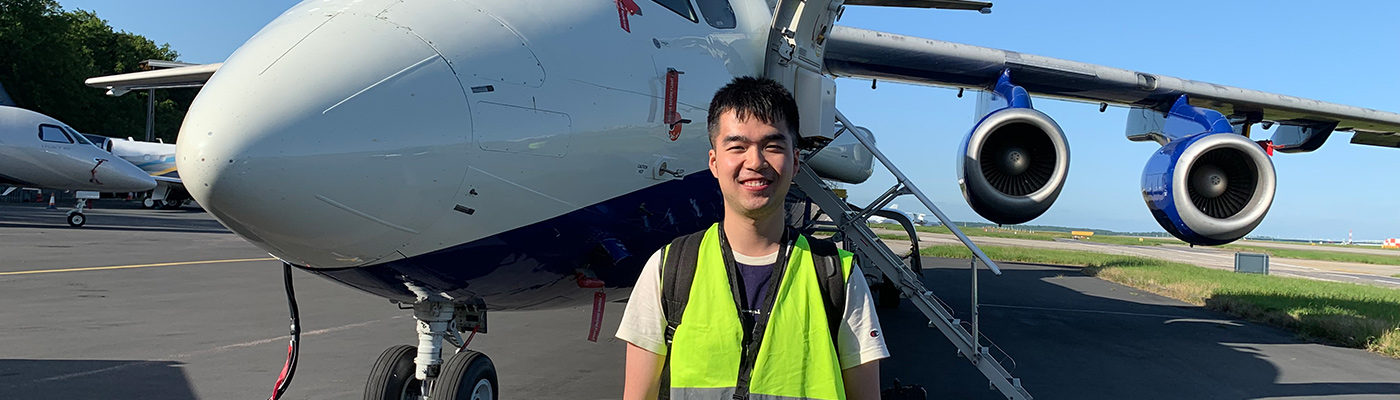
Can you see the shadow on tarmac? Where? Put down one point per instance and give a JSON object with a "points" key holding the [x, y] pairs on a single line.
{"points": [[94, 379], [1078, 337]]}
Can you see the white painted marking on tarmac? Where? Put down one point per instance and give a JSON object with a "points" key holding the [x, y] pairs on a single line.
{"points": [[1208, 321], [213, 350]]}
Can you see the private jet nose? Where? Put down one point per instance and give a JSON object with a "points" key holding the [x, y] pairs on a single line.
{"points": [[114, 174], [332, 138]]}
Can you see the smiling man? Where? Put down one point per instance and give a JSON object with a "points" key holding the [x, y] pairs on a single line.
{"points": [[749, 308]]}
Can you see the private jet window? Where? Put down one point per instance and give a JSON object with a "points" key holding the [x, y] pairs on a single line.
{"points": [[681, 7], [50, 133], [77, 136], [717, 13]]}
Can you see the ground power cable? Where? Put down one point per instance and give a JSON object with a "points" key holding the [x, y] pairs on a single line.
{"points": [[290, 366]]}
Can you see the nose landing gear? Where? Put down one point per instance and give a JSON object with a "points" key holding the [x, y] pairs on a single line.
{"points": [[411, 373], [75, 216]]}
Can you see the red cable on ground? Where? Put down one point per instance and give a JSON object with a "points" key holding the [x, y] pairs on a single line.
{"points": [[289, 367]]}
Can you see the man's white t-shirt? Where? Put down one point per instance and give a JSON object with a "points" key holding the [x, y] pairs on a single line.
{"points": [[859, 340]]}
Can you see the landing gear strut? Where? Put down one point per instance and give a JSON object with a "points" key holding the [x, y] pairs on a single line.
{"points": [[75, 216], [406, 372]]}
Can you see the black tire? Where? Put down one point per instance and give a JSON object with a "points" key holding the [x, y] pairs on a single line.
{"points": [[886, 294], [468, 375], [392, 376], [76, 219]]}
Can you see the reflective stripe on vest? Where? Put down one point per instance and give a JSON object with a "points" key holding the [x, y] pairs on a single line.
{"points": [[796, 359]]}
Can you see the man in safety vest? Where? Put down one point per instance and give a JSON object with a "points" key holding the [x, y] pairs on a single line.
{"points": [[756, 311]]}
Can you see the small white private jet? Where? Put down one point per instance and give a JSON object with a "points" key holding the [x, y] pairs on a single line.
{"points": [[158, 160], [455, 155], [37, 151]]}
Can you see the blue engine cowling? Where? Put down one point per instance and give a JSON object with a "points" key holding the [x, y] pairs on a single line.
{"points": [[1208, 188], [1014, 162]]}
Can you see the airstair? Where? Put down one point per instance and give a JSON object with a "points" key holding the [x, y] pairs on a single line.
{"points": [[849, 226]]}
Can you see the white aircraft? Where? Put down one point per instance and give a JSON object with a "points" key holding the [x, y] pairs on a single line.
{"points": [[158, 160], [37, 151], [451, 155]]}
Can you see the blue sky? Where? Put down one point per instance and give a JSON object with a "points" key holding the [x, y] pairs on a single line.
{"points": [[1348, 55]]}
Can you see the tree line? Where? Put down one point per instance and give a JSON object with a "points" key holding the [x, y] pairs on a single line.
{"points": [[47, 52]]}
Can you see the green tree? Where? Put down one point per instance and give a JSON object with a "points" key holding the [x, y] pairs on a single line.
{"points": [[46, 53]]}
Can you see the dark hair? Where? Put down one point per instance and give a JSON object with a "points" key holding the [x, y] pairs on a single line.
{"points": [[751, 97]]}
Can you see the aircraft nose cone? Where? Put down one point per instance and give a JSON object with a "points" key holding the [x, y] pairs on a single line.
{"points": [[118, 175], [329, 140]]}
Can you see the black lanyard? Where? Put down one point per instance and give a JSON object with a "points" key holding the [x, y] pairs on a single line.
{"points": [[753, 325]]}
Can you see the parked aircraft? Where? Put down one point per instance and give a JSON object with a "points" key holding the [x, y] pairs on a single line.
{"points": [[451, 155], [158, 160], [40, 152]]}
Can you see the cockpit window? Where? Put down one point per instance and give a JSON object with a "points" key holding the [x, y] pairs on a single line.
{"points": [[77, 136], [52, 133], [717, 13], [681, 7]]}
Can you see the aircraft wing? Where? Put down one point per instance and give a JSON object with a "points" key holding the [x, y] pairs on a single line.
{"points": [[941, 4], [181, 77], [854, 52]]}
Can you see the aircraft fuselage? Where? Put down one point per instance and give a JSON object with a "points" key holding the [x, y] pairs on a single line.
{"points": [[462, 149], [41, 152]]}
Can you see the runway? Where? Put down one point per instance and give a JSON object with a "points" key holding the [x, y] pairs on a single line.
{"points": [[182, 309], [1367, 274]]}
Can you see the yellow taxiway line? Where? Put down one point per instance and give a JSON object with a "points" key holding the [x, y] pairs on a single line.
{"points": [[168, 264]]}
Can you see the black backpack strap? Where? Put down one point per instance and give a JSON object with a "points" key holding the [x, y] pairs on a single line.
{"points": [[830, 275], [678, 262]]}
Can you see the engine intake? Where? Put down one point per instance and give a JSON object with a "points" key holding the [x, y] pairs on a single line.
{"points": [[1210, 188], [1013, 165]]}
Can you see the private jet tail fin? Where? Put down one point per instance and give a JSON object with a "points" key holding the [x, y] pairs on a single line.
{"points": [[182, 77], [5, 99]]}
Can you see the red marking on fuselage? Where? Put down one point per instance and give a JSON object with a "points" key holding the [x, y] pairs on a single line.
{"points": [[625, 7], [93, 179], [673, 119]]}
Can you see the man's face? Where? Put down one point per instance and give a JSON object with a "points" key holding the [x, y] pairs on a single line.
{"points": [[754, 163]]}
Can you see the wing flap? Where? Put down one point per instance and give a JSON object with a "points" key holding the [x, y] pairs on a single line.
{"points": [[854, 52], [191, 76]]}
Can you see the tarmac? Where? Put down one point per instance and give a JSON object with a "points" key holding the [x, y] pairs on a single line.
{"points": [[166, 304]]}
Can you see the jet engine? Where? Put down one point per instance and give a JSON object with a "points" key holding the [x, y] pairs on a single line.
{"points": [[1209, 189], [1013, 164], [844, 159]]}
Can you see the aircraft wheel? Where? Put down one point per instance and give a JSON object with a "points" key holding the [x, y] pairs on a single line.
{"points": [[76, 219], [467, 375], [392, 377], [148, 203]]}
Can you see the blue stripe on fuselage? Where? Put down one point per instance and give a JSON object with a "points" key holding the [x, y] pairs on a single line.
{"points": [[535, 266]]}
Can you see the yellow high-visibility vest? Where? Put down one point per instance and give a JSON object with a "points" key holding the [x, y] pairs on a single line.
{"points": [[796, 358]]}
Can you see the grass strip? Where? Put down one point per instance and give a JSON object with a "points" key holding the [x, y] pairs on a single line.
{"points": [[1352, 315], [1009, 233], [893, 236], [1320, 255]]}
